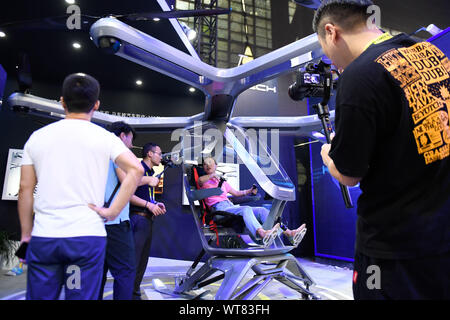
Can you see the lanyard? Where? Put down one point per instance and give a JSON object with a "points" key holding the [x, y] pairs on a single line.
{"points": [[385, 36], [151, 191]]}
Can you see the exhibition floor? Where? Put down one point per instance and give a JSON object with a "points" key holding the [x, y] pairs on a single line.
{"points": [[332, 282]]}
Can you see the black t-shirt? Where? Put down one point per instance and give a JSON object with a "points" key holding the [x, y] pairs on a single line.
{"points": [[392, 130], [144, 192]]}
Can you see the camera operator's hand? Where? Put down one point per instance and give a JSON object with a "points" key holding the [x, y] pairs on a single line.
{"points": [[325, 150], [324, 153], [332, 136]]}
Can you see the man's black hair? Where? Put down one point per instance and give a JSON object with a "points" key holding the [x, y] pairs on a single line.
{"points": [[119, 126], [148, 147], [346, 13], [80, 92]]}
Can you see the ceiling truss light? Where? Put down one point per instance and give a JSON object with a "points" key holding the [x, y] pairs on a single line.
{"points": [[70, 1], [2, 34], [139, 82], [190, 33], [76, 45], [192, 89]]}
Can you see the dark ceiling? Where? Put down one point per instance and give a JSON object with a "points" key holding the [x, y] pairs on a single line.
{"points": [[53, 57]]}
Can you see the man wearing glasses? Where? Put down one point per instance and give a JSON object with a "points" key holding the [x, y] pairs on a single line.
{"points": [[143, 209]]}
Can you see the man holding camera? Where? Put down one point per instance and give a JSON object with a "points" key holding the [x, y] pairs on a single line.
{"points": [[143, 209], [392, 137]]}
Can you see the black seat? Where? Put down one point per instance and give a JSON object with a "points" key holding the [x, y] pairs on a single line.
{"points": [[222, 223]]}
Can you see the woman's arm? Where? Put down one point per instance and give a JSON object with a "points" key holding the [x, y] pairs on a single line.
{"points": [[239, 193], [207, 177]]}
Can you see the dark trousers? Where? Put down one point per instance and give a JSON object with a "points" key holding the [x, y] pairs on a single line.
{"points": [[120, 260], [404, 279], [75, 263], [142, 232]]}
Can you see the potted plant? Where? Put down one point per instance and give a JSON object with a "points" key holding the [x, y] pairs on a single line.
{"points": [[7, 248]]}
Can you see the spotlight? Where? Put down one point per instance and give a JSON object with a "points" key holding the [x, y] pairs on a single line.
{"points": [[190, 34], [156, 19], [2, 34], [191, 89], [76, 45], [433, 30], [70, 1], [139, 82]]}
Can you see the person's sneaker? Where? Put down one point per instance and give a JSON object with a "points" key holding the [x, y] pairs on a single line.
{"points": [[18, 271]]}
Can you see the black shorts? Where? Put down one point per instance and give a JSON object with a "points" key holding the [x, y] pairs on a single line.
{"points": [[404, 279]]}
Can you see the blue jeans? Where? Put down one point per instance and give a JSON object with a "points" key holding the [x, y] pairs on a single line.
{"points": [[253, 217], [75, 263]]}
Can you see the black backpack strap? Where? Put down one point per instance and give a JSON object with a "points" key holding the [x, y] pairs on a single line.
{"points": [[108, 203]]}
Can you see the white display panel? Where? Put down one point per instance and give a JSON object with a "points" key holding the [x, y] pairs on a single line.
{"points": [[12, 175]]}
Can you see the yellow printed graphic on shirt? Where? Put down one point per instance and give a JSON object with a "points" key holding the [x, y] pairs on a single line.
{"points": [[423, 72]]}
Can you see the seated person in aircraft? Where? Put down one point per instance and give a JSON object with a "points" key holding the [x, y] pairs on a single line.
{"points": [[253, 216]]}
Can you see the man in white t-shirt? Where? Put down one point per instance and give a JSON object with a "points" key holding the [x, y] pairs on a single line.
{"points": [[68, 161]]}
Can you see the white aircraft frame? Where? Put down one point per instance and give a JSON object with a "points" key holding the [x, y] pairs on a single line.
{"points": [[220, 86]]}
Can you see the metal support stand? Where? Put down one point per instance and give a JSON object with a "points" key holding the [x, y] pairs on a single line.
{"points": [[284, 268]]}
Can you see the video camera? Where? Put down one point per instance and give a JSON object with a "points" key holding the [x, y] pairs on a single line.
{"points": [[316, 81], [167, 161], [311, 82]]}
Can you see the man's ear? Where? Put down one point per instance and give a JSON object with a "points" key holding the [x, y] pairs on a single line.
{"points": [[331, 32], [63, 104], [96, 106]]}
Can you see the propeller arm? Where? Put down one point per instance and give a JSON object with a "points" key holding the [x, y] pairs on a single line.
{"points": [[144, 16], [312, 4]]}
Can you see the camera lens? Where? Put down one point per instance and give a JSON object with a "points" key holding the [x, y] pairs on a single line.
{"points": [[292, 92], [296, 92], [109, 45]]}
